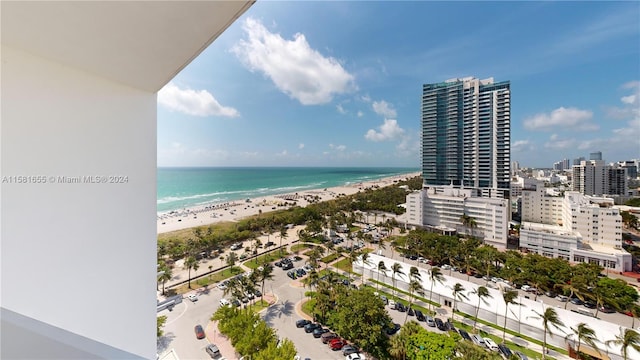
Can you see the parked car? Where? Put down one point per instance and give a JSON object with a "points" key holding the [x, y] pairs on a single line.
{"points": [[224, 302], [465, 335], [491, 345], [521, 355], [199, 332], [478, 340], [300, 272], [269, 244], [257, 293], [562, 298], [193, 297], [349, 349], [235, 302], [337, 344], [420, 315], [384, 299], [292, 274], [302, 323], [551, 294], [410, 311], [505, 351], [400, 307], [525, 288], [327, 336], [393, 329], [430, 322], [213, 351], [318, 332], [355, 356], [576, 301], [222, 285], [606, 310], [310, 327], [392, 303], [589, 304], [440, 324]]}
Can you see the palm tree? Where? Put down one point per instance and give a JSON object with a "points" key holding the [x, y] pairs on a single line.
{"points": [[365, 261], [264, 273], [353, 257], [468, 222], [381, 268], [634, 310], [191, 263], [584, 334], [628, 338], [508, 296], [414, 287], [434, 275], [481, 292], [283, 234], [165, 276], [396, 268], [457, 295], [414, 273], [231, 260], [549, 318]]}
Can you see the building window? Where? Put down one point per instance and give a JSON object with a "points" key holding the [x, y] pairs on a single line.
{"points": [[578, 258], [611, 264]]}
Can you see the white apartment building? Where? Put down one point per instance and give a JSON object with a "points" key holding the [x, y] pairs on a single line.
{"points": [[575, 227], [441, 208], [593, 177]]}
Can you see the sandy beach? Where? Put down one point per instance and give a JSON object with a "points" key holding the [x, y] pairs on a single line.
{"points": [[234, 211]]}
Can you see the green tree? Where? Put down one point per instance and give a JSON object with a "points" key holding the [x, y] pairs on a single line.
{"points": [[161, 320], [584, 334], [481, 292], [427, 345], [165, 275], [396, 269], [231, 260], [191, 263], [508, 296], [458, 294], [415, 287], [469, 222], [283, 350], [549, 318], [364, 257], [382, 268], [629, 338], [263, 274], [467, 350], [434, 275]]}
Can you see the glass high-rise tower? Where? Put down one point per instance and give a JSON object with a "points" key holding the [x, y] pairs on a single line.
{"points": [[466, 135]]}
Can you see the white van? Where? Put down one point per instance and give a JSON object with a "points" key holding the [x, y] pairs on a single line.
{"points": [[491, 345]]}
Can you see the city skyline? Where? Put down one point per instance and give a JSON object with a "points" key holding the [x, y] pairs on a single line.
{"points": [[339, 83]]}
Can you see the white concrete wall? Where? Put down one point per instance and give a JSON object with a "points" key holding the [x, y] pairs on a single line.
{"points": [[493, 309], [64, 245]]}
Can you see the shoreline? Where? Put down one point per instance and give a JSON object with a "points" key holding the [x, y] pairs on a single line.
{"points": [[240, 209]]}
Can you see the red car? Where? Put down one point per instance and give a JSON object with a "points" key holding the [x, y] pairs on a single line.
{"points": [[199, 332], [337, 344]]}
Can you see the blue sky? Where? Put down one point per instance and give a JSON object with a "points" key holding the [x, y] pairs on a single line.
{"points": [[339, 83]]}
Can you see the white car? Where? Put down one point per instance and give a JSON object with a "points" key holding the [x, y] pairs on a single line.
{"points": [[355, 356], [392, 304], [192, 297], [224, 302], [491, 345]]}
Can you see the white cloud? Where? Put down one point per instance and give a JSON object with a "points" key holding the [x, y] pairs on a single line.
{"points": [[294, 67], [522, 146], [390, 130], [283, 153], [630, 108], [301, 146], [576, 119], [341, 109], [385, 109], [365, 98], [193, 102], [409, 145], [360, 114], [338, 147], [556, 143]]}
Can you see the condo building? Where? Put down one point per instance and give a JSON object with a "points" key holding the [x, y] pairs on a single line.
{"points": [[593, 177], [466, 135], [466, 166], [574, 227]]}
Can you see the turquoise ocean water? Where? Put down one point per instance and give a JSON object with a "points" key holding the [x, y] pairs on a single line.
{"points": [[180, 188]]}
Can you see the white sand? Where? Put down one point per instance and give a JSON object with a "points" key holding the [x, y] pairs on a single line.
{"points": [[234, 211]]}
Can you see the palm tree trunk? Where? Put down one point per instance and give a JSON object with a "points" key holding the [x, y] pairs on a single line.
{"points": [[504, 328], [189, 278], [475, 322], [453, 309], [544, 345], [430, 295]]}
